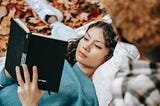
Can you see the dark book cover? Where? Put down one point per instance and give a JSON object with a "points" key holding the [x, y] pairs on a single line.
{"points": [[46, 53]]}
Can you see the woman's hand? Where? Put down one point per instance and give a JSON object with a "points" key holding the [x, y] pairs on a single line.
{"points": [[29, 93]]}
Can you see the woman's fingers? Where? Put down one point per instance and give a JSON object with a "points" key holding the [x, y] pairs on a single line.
{"points": [[29, 94], [26, 73], [35, 75], [19, 77]]}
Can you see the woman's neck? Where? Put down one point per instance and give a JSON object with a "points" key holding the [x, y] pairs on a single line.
{"points": [[87, 70]]}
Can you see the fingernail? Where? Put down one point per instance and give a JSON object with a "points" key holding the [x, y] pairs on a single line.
{"points": [[34, 67], [17, 67]]}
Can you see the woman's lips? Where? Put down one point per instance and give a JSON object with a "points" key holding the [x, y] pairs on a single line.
{"points": [[81, 54]]}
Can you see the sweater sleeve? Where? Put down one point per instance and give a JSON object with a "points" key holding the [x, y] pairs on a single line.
{"points": [[4, 80]]}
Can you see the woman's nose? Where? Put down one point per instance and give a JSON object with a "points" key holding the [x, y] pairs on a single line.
{"points": [[87, 46]]}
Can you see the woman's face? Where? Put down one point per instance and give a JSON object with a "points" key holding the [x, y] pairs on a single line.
{"points": [[91, 50]]}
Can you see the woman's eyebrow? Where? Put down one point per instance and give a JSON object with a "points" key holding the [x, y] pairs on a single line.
{"points": [[95, 39]]}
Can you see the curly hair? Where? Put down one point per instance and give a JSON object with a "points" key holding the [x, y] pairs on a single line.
{"points": [[139, 21], [109, 35]]}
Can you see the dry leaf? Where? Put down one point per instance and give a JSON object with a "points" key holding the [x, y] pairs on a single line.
{"points": [[3, 11], [6, 21]]}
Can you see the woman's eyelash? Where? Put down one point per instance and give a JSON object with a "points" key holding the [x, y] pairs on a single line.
{"points": [[98, 47], [85, 38]]}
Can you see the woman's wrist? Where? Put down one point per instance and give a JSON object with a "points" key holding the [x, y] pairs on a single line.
{"points": [[30, 105], [35, 104]]}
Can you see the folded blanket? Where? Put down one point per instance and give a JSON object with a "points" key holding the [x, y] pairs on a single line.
{"points": [[140, 86]]}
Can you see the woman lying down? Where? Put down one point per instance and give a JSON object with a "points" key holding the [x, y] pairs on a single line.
{"points": [[98, 57]]}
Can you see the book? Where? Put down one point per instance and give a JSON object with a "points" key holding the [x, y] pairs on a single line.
{"points": [[47, 53]]}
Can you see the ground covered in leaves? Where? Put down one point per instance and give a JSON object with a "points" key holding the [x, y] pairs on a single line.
{"points": [[76, 13]]}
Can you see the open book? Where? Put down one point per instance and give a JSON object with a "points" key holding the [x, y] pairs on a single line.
{"points": [[46, 53]]}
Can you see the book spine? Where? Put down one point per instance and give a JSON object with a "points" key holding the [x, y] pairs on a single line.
{"points": [[25, 49]]}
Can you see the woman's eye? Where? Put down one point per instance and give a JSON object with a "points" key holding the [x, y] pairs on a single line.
{"points": [[85, 38], [97, 46]]}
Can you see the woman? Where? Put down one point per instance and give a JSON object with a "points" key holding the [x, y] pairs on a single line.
{"points": [[76, 88]]}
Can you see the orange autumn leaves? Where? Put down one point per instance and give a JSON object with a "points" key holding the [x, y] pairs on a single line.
{"points": [[17, 9], [79, 12], [76, 13]]}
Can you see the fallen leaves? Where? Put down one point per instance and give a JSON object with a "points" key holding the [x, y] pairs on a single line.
{"points": [[76, 13], [79, 12], [3, 11], [17, 9]]}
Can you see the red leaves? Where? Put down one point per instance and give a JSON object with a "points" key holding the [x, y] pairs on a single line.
{"points": [[94, 12], [76, 13], [80, 12]]}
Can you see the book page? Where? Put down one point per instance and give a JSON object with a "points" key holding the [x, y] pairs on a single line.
{"points": [[22, 25], [47, 36]]}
